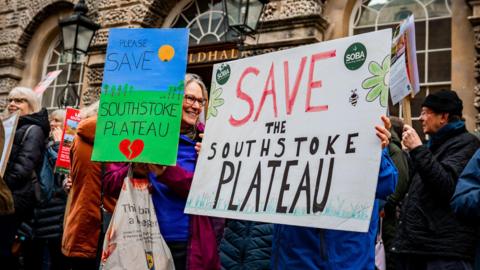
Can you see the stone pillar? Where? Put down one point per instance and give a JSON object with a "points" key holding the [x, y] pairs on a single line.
{"points": [[475, 21]]}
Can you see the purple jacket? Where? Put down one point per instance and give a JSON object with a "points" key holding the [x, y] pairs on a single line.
{"points": [[175, 183]]}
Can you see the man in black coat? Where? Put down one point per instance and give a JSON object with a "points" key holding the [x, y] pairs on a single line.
{"points": [[430, 236]]}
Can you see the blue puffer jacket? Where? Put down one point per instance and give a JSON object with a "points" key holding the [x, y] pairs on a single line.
{"points": [[466, 200], [246, 245], [310, 248]]}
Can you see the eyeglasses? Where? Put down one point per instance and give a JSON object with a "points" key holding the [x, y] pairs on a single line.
{"points": [[16, 100], [190, 100]]}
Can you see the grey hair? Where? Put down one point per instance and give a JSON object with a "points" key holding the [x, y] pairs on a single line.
{"points": [[191, 77], [90, 110], [28, 94], [60, 113]]}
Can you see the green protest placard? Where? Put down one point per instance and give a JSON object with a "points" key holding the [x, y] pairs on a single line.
{"points": [[141, 99]]}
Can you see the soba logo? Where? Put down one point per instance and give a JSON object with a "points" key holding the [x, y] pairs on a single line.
{"points": [[223, 74], [355, 56]]}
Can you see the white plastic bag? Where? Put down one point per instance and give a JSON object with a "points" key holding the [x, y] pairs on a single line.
{"points": [[380, 262], [133, 239]]}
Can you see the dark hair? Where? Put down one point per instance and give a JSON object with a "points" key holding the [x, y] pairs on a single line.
{"points": [[397, 125], [454, 118]]}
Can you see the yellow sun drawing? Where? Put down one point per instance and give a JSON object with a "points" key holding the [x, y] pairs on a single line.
{"points": [[166, 53]]}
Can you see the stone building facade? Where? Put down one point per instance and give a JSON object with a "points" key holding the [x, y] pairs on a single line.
{"points": [[30, 44]]}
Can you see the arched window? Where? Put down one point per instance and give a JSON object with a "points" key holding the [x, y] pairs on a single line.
{"points": [[55, 61], [205, 18], [433, 27]]}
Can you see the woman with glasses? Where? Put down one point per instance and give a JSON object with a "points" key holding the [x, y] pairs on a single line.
{"points": [[25, 156], [192, 239]]}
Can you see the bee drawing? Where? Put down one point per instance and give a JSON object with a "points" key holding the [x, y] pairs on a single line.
{"points": [[353, 98]]}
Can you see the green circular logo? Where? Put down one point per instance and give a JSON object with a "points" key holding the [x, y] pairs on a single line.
{"points": [[355, 56], [223, 74]]}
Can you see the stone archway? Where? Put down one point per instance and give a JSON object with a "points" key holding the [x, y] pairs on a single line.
{"points": [[339, 13], [21, 20]]}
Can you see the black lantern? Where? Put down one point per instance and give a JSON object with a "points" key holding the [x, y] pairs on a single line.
{"points": [[243, 15], [77, 31]]}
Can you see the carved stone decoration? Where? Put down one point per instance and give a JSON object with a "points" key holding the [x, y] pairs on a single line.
{"points": [[285, 9], [91, 95], [99, 42], [158, 11], [269, 11], [475, 21], [95, 76], [6, 84], [10, 51], [477, 68]]}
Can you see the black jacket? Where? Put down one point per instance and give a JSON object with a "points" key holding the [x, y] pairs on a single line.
{"points": [[25, 158], [427, 223], [48, 219]]}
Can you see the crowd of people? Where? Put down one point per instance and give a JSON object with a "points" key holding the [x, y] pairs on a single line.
{"points": [[427, 201]]}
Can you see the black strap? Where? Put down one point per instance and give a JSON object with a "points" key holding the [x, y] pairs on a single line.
{"points": [[102, 192], [101, 236]]}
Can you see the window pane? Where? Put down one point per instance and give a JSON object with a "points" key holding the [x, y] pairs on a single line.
{"points": [[54, 57], [438, 8], [75, 74], [397, 10], [62, 78], [207, 23], [368, 17], [392, 26], [393, 110], [195, 31], [181, 23], [439, 66], [420, 32], [51, 68], [376, 4], [416, 102], [433, 89], [440, 33], [47, 97], [421, 66], [363, 30]]}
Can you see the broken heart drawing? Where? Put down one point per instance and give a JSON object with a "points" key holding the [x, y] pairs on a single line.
{"points": [[131, 150]]}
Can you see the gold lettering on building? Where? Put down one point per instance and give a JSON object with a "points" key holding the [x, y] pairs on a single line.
{"points": [[201, 57], [212, 56], [224, 55]]}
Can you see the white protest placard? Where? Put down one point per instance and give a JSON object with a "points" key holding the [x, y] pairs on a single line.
{"points": [[46, 81], [290, 135], [10, 126], [400, 86], [404, 71]]}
